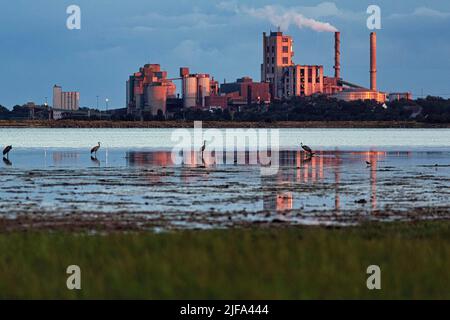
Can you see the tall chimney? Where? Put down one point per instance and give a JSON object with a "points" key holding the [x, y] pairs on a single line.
{"points": [[337, 55], [373, 61]]}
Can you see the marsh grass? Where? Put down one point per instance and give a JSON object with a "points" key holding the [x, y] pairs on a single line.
{"points": [[275, 263]]}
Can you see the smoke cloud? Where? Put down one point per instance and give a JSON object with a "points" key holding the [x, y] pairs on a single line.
{"points": [[284, 18]]}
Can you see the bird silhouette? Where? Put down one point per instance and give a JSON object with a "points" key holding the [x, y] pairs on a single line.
{"points": [[307, 149], [6, 151], [203, 148], [95, 149]]}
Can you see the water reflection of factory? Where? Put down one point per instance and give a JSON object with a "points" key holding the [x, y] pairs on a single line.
{"points": [[65, 156], [295, 168]]}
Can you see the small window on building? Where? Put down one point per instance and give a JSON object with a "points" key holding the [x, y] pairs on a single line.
{"points": [[285, 49], [273, 49], [285, 60], [273, 60]]}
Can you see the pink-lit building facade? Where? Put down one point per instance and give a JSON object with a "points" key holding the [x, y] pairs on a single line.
{"points": [[287, 79], [245, 92], [278, 51], [148, 90], [301, 80]]}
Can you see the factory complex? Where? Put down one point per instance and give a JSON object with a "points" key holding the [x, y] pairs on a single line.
{"points": [[150, 90]]}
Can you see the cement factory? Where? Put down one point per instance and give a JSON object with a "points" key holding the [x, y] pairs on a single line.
{"points": [[150, 90]]}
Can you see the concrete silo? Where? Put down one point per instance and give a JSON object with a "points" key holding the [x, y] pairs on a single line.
{"points": [[190, 91], [156, 98], [204, 88]]}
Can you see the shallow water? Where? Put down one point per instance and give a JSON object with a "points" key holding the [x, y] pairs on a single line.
{"points": [[161, 139], [143, 185]]}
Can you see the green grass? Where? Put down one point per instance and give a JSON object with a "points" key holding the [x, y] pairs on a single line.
{"points": [[294, 263]]}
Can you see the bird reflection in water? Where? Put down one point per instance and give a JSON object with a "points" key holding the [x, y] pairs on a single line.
{"points": [[95, 161], [7, 162]]}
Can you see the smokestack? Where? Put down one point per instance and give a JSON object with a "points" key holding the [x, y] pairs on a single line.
{"points": [[337, 55], [373, 61]]}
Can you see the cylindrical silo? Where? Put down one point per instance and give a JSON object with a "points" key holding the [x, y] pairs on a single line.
{"points": [[190, 91], [156, 98], [204, 87]]}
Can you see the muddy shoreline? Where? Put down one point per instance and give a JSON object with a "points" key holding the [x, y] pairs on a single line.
{"points": [[124, 222], [216, 124]]}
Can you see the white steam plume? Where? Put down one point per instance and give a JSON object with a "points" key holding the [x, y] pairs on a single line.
{"points": [[283, 18]]}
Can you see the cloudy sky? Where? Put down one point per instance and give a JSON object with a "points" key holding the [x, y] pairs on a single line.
{"points": [[220, 37]]}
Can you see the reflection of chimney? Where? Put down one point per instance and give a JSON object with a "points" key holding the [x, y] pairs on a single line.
{"points": [[337, 55], [373, 61]]}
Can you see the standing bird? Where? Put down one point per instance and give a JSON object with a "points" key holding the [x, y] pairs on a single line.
{"points": [[307, 149], [95, 149], [369, 164], [203, 148], [6, 151]]}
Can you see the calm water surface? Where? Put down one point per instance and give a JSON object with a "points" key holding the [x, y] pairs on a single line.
{"points": [[50, 173]]}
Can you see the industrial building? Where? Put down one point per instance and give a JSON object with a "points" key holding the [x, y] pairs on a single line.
{"points": [[245, 92], [148, 90], [196, 88], [278, 51], [65, 100], [353, 92], [287, 79], [302, 81], [397, 96]]}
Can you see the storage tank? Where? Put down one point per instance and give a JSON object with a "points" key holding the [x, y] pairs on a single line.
{"points": [[171, 90], [190, 91], [204, 88], [156, 98]]}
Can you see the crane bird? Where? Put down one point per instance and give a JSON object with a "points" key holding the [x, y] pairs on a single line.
{"points": [[307, 149], [95, 149], [6, 151], [203, 148]]}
